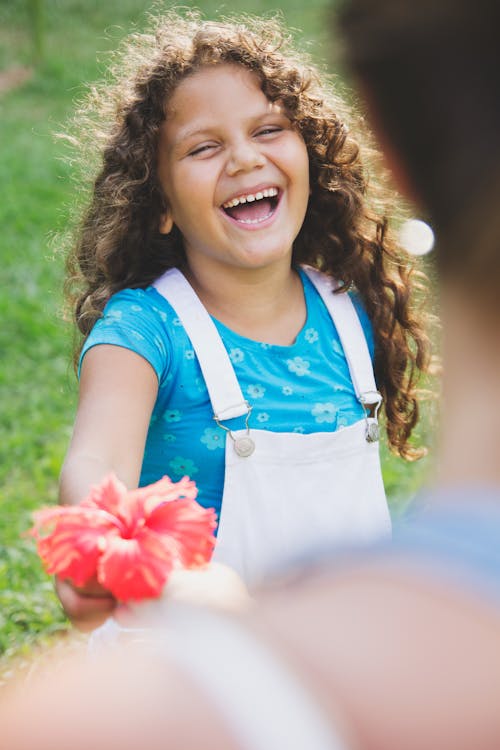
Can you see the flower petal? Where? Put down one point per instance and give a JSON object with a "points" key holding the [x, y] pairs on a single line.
{"points": [[130, 540], [70, 540], [165, 491], [112, 496], [138, 568], [107, 495], [191, 526]]}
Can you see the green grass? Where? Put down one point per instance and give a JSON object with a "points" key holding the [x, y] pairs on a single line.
{"points": [[37, 386]]}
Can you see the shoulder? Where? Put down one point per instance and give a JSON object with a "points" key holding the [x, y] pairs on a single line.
{"points": [[141, 312], [313, 298], [139, 320], [455, 529], [136, 303]]}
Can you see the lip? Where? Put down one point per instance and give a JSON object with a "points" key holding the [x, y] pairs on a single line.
{"points": [[261, 224]]}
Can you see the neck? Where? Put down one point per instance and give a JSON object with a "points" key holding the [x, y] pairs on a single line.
{"points": [[265, 304], [470, 434]]}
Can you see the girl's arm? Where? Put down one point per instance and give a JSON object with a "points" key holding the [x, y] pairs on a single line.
{"points": [[118, 389]]}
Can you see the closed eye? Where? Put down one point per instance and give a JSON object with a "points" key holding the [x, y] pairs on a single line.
{"points": [[269, 130], [204, 148]]}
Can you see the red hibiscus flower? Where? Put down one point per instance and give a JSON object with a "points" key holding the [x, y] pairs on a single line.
{"points": [[130, 540]]}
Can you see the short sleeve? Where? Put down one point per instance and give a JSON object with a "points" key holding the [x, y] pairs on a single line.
{"points": [[134, 320]]}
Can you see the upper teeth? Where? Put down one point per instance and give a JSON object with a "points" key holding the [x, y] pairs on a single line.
{"points": [[267, 193]]}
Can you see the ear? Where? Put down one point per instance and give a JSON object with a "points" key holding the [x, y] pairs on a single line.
{"points": [[166, 223]]}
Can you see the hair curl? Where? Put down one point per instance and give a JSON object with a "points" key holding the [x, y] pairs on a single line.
{"points": [[118, 243]]}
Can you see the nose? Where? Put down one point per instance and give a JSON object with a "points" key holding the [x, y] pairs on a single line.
{"points": [[243, 157]]}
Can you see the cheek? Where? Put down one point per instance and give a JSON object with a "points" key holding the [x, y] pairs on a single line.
{"points": [[181, 192], [298, 160], [301, 174], [301, 177], [303, 159], [194, 185], [191, 199]]}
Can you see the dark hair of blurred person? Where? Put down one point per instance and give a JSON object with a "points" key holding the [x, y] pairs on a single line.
{"points": [[430, 73], [399, 648]]}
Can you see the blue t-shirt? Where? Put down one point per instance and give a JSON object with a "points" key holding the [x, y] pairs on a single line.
{"points": [[305, 387], [453, 535]]}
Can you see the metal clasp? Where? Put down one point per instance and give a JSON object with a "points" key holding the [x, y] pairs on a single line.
{"points": [[371, 400], [244, 446]]}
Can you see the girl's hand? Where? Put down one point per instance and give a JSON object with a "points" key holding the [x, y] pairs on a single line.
{"points": [[86, 606], [214, 585]]}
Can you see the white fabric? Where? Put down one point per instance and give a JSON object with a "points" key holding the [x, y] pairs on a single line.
{"points": [[350, 332], [262, 703], [225, 393], [223, 388], [259, 700], [295, 491]]}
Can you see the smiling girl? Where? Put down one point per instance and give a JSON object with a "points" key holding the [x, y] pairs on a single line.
{"points": [[236, 294]]}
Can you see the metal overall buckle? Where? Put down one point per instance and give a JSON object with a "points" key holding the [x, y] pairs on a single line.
{"points": [[371, 400], [244, 446]]}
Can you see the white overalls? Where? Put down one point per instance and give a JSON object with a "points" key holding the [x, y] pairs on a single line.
{"points": [[287, 493]]}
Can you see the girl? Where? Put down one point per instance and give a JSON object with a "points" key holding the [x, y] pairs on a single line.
{"points": [[230, 204]]}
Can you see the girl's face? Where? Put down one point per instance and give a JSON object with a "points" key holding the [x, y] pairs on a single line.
{"points": [[234, 171]]}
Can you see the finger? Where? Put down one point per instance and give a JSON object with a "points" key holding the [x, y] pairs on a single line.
{"points": [[85, 610], [92, 588]]}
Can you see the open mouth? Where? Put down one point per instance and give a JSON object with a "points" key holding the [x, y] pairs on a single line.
{"points": [[253, 208]]}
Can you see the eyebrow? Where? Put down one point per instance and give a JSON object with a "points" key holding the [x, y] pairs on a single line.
{"points": [[191, 133], [203, 130]]}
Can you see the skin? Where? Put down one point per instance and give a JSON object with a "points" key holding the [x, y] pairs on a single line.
{"points": [[383, 673], [112, 704], [396, 656], [369, 643], [469, 443], [221, 138]]}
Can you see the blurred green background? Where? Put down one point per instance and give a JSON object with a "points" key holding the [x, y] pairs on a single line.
{"points": [[48, 51]]}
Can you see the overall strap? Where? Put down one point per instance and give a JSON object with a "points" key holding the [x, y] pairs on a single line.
{"points": [[223, 388], [351, 334]]}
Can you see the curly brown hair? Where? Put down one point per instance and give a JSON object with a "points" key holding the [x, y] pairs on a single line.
{"points": [[118, 243]]}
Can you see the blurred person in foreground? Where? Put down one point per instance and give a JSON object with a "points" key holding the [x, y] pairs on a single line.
{"points": [[397, 648]]}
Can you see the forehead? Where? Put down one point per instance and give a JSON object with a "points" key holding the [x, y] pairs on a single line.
{"points": [[217, 91], [212, 77]]}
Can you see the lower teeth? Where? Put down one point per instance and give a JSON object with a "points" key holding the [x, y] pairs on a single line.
{"points": [[254, 221]]}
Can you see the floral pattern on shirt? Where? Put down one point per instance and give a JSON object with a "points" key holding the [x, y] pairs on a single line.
{"points": [[299, 366], [173, 415], [255, 391], [263, 417], [183, 467], [236, 356], [213, 438], [169, 438], [303, 388], [311, 335], [325, 413]]}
